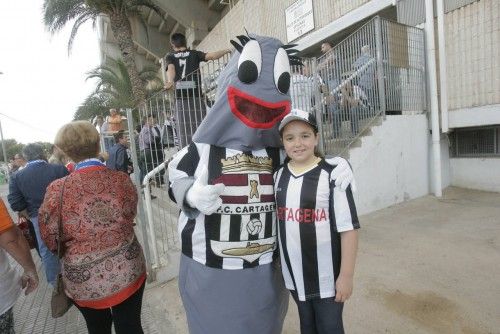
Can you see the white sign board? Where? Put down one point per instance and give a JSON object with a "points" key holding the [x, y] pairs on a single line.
{"points": [[299, 19]]}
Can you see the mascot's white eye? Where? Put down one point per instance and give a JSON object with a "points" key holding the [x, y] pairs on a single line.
{"points": [[250, 62], [282, 71]]}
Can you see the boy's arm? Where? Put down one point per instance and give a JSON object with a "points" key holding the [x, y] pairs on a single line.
{"points": [[346, 223], [349, 249], [170, 76], [217, 54]]}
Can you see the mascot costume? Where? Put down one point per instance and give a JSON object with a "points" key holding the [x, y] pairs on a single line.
{"points": [[229, 278]]}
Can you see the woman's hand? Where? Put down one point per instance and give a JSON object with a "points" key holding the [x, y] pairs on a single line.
{"points": [[29, 280]]}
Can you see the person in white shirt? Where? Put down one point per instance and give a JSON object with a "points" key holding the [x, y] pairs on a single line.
{"points": [[11, 283]]}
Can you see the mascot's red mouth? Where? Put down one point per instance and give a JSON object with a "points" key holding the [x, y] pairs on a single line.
{"points": [[254, 112]]}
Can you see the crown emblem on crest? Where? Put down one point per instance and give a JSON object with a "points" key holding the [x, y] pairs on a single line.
{"points": [[242, 162]]}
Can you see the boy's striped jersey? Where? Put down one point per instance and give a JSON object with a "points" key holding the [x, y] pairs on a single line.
{"points": [[311, 213]]}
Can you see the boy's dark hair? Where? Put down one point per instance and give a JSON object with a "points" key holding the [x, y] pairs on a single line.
{"points": [[178, 40], [119, 135]]}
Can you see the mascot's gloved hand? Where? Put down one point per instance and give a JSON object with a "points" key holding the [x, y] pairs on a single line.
{"points": [[204, 197], [342, 174]]}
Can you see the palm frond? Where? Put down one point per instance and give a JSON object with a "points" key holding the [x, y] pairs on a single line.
{"points": [[113, 82], [94, 104], [57, 13], [136, 5], [91, 15]]}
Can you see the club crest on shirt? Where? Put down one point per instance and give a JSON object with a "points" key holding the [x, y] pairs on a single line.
{"points": [[242, 162], [254, 192], [248, 193], [254, 226], [249, 185], [246, 250]]}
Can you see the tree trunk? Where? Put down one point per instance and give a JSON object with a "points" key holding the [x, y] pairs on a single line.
{"points": [[122, 31]]}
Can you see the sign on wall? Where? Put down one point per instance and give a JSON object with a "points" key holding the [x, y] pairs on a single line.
{"points": [[299, 19]]}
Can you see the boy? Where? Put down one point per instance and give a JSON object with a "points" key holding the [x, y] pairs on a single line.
{"points": [[317, 229]]}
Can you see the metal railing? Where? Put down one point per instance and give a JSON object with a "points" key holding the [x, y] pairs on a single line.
{"points": [[378, 68], [162, 126]]}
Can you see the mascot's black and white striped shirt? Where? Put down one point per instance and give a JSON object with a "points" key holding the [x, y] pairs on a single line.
{"points": [[242, 233], [311, 214]]}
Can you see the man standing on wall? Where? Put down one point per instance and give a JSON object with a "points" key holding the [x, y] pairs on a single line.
{"points": [[182, 69], [114, 124]]}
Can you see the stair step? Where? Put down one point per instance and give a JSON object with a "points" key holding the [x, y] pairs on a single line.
{"points": [[343, 145]]}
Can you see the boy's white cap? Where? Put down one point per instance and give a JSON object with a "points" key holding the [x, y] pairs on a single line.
{"points": [[299, 115]]}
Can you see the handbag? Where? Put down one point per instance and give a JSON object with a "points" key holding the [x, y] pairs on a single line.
{"points": [[60, 303], [26, 227]]}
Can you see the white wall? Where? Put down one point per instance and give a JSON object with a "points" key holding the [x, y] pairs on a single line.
{"points": [[445, 161], [472, 38], [476, 173], [392, 164], [475, 116]]}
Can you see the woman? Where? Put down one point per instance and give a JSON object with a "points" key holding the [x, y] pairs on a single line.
{"points": [[103, 266], [12, 241]]}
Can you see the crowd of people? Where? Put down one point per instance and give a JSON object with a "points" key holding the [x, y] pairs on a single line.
{"points": [[253, 225], [347, 88], [103, 264]]}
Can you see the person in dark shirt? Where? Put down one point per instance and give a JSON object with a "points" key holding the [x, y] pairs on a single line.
{"points": [[183, 73], [118, 157], [26, 193]]}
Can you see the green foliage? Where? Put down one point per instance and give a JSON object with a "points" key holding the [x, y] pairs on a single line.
{"points": [[93, 105], [12, 147], [114, 89], [59, 13]]}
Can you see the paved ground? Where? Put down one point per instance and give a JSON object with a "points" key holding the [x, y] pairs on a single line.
{"points": [[424, 266], [32, 312]]}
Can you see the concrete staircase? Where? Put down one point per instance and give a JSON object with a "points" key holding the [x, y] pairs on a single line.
{"points": [[342, 146]]}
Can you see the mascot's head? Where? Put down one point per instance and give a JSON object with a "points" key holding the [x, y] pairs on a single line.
{"points": [[253, 96]]}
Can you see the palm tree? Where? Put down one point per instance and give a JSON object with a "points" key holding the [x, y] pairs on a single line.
{"points": [[57, 13], [114, 88], [94, 105]]}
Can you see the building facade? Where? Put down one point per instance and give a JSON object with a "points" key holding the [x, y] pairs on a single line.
{"points": [[469, 121]]}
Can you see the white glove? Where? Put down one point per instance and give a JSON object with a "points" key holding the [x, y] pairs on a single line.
{"points": [[204, 197], [342, 174]]}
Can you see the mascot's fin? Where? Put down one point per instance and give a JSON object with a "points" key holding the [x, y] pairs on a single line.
{"points": [[294, 60]]}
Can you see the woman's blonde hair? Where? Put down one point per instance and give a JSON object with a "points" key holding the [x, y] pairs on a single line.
{"points": [[79, 140]]}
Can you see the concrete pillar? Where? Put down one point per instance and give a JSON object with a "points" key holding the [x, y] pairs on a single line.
{"points": [[195, 33]]}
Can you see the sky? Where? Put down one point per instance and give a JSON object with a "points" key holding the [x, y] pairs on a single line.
{"points": [[41, 86]]}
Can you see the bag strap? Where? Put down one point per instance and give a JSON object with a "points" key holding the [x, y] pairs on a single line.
{"points": [[59, 223]]}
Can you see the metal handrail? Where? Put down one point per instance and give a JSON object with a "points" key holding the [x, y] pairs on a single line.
{"points": [[149, 211], [376, 71]]}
